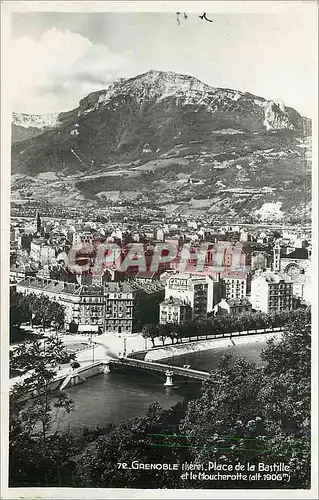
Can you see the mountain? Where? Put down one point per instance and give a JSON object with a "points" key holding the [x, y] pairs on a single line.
{"points": [[168, 134], [25, 126]]}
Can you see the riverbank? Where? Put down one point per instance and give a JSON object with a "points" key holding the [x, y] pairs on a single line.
{"points": [[92, 360], [126, 393], [207, 345]]}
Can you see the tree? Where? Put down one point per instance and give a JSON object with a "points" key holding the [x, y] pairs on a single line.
{"points": [[287, 394], [37, 452], [130, 441], [245, 413], [36, 309], [150, 331], [169, 330], [257, 413], [19, 310], [56, 315], [163, 331]]}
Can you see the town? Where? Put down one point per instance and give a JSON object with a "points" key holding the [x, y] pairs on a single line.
{"points": [[272, 272]]}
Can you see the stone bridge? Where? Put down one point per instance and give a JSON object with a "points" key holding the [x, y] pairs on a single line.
{"points": [[168, 370]]}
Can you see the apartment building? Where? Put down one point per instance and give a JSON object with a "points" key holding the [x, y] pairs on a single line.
{"points": [[103, 309], [271, 292], [119, 304], [234, 285], [191, 291], [173, 310]]}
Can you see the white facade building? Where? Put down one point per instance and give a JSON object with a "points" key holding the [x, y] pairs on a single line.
{"points": [[234, 285], [41, 252], [107, 308], [191, 290], [271, 292]]}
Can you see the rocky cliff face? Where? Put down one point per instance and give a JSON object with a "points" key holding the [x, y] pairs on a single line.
{"points": [[154, 108], [157, 87], [170, 139]]}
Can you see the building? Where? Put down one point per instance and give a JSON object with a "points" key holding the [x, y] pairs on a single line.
{"points": [[41, 252], [107, 308], [35, 248], [243, 236], [276, 257], [259, 260], [232, 306], [234, 285], [38, 222], [147, 298], [14, 235], [20, 270], [83, 237], [119, 305], [159, 234], [303, 289], [271, 292], [295, 262], [173, 310], [191, 290], [215, 258]]}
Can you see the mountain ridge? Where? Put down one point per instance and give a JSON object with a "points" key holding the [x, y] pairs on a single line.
{"points": [[152, 131]]}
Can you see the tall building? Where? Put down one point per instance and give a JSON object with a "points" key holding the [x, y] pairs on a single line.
{"points": [[271, 292], [107, 308], [38, 222], [234, 285], [191, 291]]}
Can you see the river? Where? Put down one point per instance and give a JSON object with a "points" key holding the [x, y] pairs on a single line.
{"points": [[126, 393]]}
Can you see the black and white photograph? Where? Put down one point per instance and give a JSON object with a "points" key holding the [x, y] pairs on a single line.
{"points": [[159, 251]]}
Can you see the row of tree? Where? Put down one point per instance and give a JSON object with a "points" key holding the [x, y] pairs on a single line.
{"points": [[35, 309], [243, 413], [219, 324]]}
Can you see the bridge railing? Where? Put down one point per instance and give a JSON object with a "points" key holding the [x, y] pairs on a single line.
{"points": [[160, 367]]}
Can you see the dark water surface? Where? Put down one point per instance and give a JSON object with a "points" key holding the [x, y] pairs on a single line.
{"points": [[125, 393]]}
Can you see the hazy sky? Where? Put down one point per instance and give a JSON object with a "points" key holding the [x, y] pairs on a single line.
{"points": [[59, 58]]}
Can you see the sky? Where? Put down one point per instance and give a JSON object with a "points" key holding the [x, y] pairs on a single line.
{"points": [[59, 57]]}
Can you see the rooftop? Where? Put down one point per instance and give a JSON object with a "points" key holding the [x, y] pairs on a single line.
{"points": [[298, 253], [239, 302], [235, 275], [63, 287], [272, 277]]}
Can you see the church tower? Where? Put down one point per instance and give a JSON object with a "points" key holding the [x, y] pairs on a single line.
{"points": [[38, 221], [276, 252]]}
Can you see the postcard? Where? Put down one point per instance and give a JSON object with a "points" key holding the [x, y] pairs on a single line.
{"points": [[159, 249]]}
